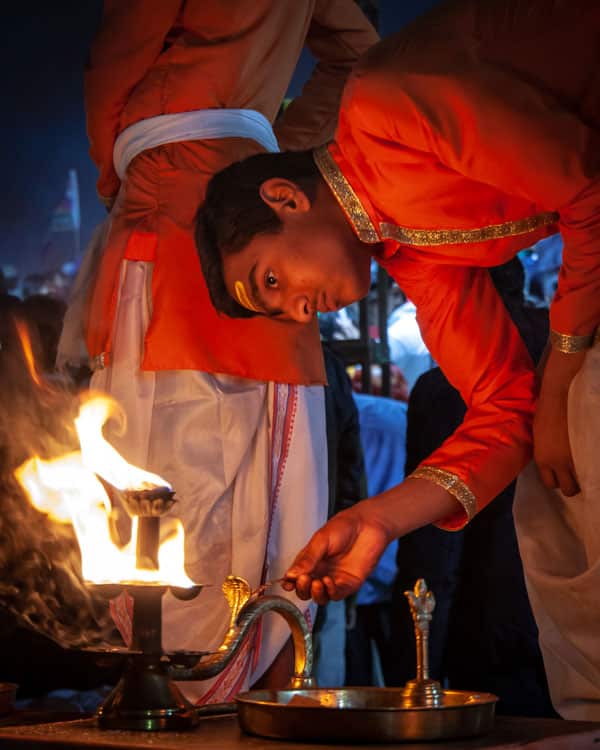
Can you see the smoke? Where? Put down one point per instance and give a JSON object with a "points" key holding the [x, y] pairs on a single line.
{"points": [[40, 566]]}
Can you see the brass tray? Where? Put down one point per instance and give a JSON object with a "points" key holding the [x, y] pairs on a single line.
{"points": [[363, 715]]}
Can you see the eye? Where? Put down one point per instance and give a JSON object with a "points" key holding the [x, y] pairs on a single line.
{"points": [[271, 280]]}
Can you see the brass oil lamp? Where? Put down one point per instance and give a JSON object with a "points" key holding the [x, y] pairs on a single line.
{"points": [[146, 697]]}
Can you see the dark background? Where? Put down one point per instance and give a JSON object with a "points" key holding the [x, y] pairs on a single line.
{"points": [[42, 128]]}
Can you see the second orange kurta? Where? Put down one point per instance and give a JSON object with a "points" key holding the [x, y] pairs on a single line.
{"points": [[155, 57]]}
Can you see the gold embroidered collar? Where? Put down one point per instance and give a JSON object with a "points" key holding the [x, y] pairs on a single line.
{"points": [[364, 228], [434, 237], [345, 196]]}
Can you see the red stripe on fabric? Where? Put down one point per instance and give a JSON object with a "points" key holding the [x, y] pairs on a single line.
{"points": [[222, 692], [282, 449], [288, 426], [121, 610]]}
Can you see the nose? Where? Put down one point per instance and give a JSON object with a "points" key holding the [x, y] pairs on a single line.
{"points": [[301, 309]]}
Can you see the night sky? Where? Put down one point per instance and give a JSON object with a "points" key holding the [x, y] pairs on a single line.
{"points": [[43, 127], [42, 56]]}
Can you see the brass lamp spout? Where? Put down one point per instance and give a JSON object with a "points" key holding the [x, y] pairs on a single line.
{"points": [[245, 611]]}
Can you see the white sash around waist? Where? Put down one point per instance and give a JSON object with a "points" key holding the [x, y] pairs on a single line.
{"points": [[202, 124]]}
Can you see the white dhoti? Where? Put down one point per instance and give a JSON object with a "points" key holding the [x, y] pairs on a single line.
{"points": [[559, 540], [247, 459], [248, 463]]}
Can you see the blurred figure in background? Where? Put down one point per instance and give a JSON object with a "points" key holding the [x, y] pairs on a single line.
{"points": [[542, 263], [407, 348], [369, 612]]}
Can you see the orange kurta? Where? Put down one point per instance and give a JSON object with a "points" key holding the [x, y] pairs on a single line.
{"points": [[154, 57], [462, 141]]}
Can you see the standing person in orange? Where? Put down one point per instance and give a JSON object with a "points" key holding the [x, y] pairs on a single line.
{"points": [[461, 141], [230, 412]]}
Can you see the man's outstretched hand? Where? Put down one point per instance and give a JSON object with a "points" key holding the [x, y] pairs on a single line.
{"points": [[339, 556]]}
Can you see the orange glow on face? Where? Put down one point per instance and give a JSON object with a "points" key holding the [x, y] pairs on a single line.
{"points": [[68, 490]]}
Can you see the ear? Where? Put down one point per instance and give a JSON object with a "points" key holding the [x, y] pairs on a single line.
{"points": [[284, 196]]}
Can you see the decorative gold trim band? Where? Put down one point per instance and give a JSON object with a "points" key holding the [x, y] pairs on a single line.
{"points": [[452, 484], [345, 195], [562, 342], [432, 237]]}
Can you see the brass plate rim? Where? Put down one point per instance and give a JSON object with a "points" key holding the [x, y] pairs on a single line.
{"points": [[482, 699]]}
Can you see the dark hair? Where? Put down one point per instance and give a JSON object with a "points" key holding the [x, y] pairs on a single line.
{"points": [[233, 213]]}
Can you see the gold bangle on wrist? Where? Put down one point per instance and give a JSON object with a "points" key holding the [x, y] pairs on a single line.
{"points": [[452, 484], [562, 342]]}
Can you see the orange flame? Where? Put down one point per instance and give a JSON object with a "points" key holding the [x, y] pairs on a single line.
{"points": [[25, 339], [68, 491]]}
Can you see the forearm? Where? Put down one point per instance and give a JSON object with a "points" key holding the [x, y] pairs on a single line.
{"points": [[338, 35], [559, 370], [552, 450], [409, 506]]}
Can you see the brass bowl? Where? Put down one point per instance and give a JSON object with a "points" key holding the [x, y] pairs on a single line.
{"points": [[362, 715]]}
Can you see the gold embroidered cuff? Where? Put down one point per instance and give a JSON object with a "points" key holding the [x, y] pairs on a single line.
{"points": [[562, 342], [452, 484]]}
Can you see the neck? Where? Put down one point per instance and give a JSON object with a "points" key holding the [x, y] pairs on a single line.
{"points": [[332, 212]]}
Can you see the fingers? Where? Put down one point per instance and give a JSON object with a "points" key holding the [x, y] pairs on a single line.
{"points": [[308, 558], [304, 584], [301, 575], [321, 590], [562, 478], [567, 482], [326, 569], [318, 592], [548, 477]]}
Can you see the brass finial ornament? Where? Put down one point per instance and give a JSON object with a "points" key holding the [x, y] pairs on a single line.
{"points": [[422, 691]]}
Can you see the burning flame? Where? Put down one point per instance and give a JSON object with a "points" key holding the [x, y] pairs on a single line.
{"points": [[68, 490], [100, 457], [25, 339]]}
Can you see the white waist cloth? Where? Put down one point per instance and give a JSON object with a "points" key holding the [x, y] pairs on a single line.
{"points": [[248, 464], [154, 131], [559, 541], [202, 124]]}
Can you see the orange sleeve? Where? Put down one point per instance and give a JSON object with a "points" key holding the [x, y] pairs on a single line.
{"points": [[495, 128], [130, 39], [468, 331], [338, 34]]}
